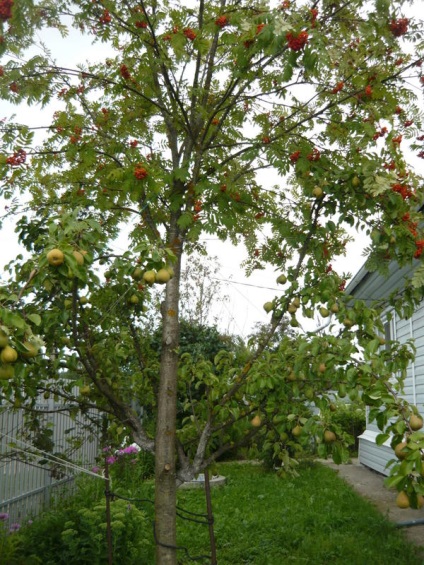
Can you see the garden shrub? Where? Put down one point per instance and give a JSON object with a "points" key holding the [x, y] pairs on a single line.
{"points": [[351, 419], [76, 532]]}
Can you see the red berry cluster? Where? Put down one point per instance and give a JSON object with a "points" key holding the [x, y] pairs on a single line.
{"points": [[339, 86], [397, 139], [14, 87], [399, 27], [189, 33], [412, 226], [408, 123], [18, 158], [294, 156], [1, 71], [390, 166], [77, 135], [315, 155], [105, 18], [403, 189], [198, 206], [140, 172], [125, 73], [419, 244], [266, 139], [296, 42], [134, 143], [222, 21], [141, 24], [314, 15], [398, 110], [368, 90], [380, 133], [5, 9], [259, 28]]}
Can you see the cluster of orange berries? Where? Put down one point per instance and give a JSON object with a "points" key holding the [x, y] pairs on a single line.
{"points": [[380, 133], [189, 33], [5, 9], [339, 86], [399, 27], [140, 172], [105, 18], [403, 189], [412, 227], [77, 135], [315, 155], [222, 21], [296, 42], [18, 158], [294, 156], [125, 73]]}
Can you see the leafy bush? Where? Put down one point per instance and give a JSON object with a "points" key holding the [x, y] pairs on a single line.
{"points": [[351, 419], [75, 532]]}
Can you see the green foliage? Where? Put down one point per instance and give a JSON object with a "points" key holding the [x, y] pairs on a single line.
{"points": [[75, 532], [350, 418]]}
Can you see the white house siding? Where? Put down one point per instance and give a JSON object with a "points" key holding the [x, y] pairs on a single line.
{"points": [[370, 454]]}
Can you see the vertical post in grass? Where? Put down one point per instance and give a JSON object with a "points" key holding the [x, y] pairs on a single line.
{"points": [[210, 517], [108, 521]]}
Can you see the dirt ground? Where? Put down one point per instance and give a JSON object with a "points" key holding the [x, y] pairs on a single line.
{"points": [[370, 485]]}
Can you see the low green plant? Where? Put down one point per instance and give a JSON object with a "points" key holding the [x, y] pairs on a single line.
{"points": [[9, 541], [75, 531]]}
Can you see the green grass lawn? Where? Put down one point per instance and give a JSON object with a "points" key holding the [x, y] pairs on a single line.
{"points": [[316, 518]]}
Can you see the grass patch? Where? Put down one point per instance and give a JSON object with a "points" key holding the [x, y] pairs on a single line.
{"points": [[316, 518]]}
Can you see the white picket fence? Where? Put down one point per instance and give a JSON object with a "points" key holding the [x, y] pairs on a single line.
{"points": [[29, 479]]}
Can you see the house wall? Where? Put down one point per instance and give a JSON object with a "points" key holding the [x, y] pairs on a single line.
{"points": [[374, 456]]}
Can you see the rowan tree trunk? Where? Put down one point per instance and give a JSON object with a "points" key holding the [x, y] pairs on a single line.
{"points": [[165, 452]]}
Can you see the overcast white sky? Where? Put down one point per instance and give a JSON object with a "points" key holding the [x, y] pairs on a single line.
{"points": [[247, 296]]}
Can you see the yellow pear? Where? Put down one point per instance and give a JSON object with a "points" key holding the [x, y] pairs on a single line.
{"points": [[30, 350], [256, 421], [6, 372], [8, 355], [297, 430], [400, 454], [162, 276], [79, 257], [55, 257], [4, 339], [329, 436], [268, 306], [402, 500], [415, 422], [149, 277]]}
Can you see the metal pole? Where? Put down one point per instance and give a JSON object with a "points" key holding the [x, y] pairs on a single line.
{"points": [[108, 521], [210, 517]]}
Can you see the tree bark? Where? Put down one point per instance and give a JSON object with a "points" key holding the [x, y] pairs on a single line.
{"points": [[165, 452]]}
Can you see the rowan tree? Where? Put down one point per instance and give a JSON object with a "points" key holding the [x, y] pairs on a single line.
{"points": [[279, 127]]}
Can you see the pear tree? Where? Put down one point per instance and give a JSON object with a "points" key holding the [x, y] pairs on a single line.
{"points": [[277, 126]]}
